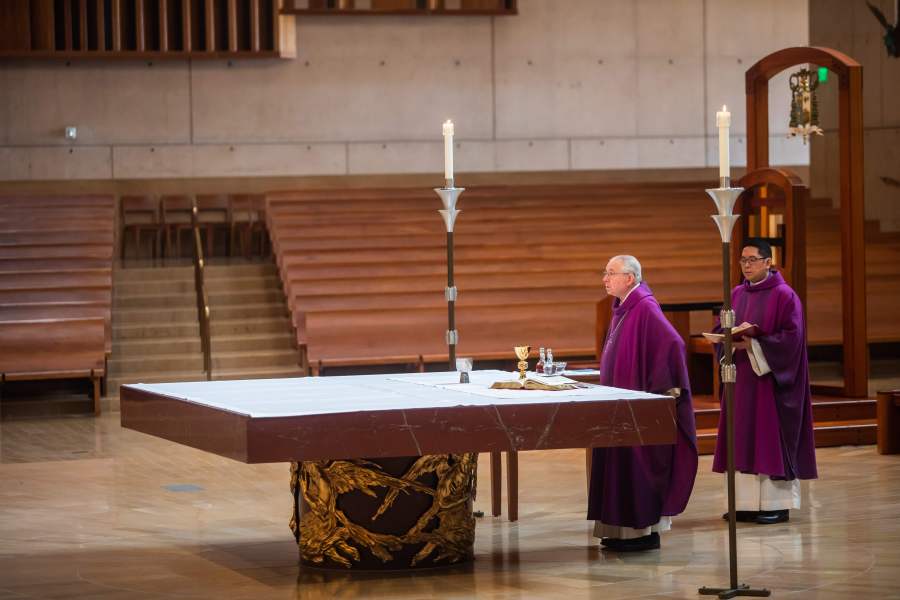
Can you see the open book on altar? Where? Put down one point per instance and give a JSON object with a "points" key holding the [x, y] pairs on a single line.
{"points": [[538, 382], [737, 333]]}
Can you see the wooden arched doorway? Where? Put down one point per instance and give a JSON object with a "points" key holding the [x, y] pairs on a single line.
{"points": [[852, 207]]}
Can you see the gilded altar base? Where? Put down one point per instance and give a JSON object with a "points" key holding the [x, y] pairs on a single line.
{"points": [[396, 513]]}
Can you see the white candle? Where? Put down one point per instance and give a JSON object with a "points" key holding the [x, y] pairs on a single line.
{"points": [[448, 149], [723, 122]]}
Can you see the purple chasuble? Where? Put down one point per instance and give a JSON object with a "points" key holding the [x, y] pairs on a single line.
{"points": [[773, 413], [635, 486]]}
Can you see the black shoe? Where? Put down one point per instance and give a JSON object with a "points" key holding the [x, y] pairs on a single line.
{"points": [[743, 516], [770, 517], [647, 542]]}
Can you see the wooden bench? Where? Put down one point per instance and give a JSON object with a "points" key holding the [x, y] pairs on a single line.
{"points": [[55, 201], [21, 237], [56, 283], [74, 294], [61, 279], [51, 251], [41, 264], [32, 311], [54, 349]]}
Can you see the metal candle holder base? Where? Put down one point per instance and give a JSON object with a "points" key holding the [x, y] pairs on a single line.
{"points": [[724, 198], [449, 195]]}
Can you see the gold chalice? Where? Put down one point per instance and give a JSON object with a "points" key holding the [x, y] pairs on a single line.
{"points": [[522, 354]]}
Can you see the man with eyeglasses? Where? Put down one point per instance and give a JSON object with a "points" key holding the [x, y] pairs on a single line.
{"points": [[774, 445], [635, 491]]}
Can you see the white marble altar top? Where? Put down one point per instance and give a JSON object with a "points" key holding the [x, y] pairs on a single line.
{"points": [[302, 396]]}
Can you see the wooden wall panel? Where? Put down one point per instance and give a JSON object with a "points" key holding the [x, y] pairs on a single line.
{"points": [[15, 26]]}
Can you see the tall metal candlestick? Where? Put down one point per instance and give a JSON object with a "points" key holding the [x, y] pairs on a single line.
{"points": [[449, 195], [724, 197]]}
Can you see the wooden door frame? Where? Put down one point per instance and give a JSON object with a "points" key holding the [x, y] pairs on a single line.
{"points": [[852, 198]]}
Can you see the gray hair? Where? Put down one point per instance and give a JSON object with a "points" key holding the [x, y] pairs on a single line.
{"points": [[629, 265]]}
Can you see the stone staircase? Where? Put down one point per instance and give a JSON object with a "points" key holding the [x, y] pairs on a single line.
{"points": [[156, 334], [251, 330]]}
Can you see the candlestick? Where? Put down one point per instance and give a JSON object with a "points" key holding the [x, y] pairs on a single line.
{"points": [[723, 122], [448, 149]]}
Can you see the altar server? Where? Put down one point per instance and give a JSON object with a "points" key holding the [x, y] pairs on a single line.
{"points": [[774, 445]]}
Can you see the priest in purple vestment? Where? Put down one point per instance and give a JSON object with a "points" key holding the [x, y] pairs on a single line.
{"points": [[634, 491], [774, 447]]}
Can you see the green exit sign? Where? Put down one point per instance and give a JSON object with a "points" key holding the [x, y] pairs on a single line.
{"points": [[823, 74]]}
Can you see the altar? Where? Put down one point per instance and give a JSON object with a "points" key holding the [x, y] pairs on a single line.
{"points": [[383, 466]]}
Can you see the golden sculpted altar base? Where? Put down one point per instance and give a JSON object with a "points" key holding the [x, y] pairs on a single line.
{"points": [[393, 513]]}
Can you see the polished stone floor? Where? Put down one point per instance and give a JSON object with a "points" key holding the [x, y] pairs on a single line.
{"points": [[89, 510]]}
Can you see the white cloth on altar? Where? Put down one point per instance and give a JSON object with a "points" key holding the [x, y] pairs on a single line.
{"points": [[299, 396], [602, 530], [754, 492]]}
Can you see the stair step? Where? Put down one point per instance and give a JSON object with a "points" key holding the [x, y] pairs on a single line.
{"points": [[154, 330], [262, 358], [154, 346], [149, 274], [155, 364], [277, 340], [824, 410], [147, 315], [248, 311], [143, 288], [256, 270], [155, 301], [216, 285], [256, 373], [244, 297], [229, 327], [854, 432]]}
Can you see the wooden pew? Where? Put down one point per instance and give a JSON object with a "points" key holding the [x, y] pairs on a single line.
{"points": [[49, 251], [75, 294], [54, 349], [21, 237], [32, 311], [55, 267], [39, 264], [56, 202], [61, 279]]}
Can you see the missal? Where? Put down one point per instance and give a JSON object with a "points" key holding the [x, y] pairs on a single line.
{"points": [[737, 333], [536, 382]]}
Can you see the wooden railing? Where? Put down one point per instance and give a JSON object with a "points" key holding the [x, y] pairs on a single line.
{"points": [[202, 297]]}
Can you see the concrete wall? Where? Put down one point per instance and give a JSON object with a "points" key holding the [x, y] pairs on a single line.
{"points": [[564, 85], [852, 29]]}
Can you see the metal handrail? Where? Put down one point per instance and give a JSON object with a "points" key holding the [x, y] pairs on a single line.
{"points": [[202, 296]]}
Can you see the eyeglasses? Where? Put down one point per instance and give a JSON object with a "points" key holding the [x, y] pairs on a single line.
{"points": [[611, 273], [751, 260]]}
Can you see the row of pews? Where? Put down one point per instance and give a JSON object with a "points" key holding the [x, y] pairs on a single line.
{"points": [[364, 271], [56, 288]]}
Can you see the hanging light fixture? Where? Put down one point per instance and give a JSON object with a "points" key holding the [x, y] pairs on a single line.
{"points": [[804, 105]]}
